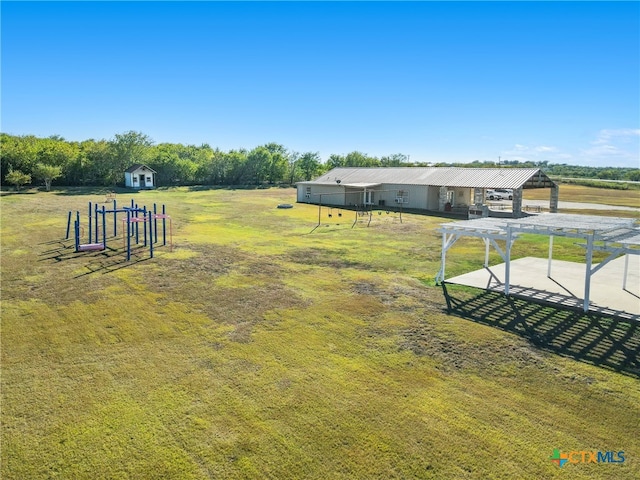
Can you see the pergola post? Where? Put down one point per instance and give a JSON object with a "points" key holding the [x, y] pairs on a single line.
{"points": [[507, 261], [443, 256], [626, 271], [486, 252], [587, 275], [550, 256]]}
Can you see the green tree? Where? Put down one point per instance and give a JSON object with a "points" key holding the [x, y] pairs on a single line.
{"points": [[395, 160], [310, 165], [335, 161], [47, 173], [128, 149], [293, 159], [258, 165], [359, 159], [634, 175], [93, 163], [19, 153], [17, 178]]}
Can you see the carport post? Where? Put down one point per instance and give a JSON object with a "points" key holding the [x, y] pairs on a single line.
{"points": [[587, 276]]}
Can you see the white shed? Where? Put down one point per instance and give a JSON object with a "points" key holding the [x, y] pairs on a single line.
{"points": [[139, 176]]}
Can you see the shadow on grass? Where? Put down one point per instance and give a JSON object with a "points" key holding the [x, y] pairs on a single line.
{"points": [[6, 193], [594, 338], [71, 191], [204, 188], [102, 261]]}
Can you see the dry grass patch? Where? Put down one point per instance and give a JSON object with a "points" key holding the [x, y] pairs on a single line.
{"points": [[258, 350]]}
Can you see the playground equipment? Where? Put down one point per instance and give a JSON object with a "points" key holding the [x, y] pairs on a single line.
{"points": [[368, 213], [364, 213], [134, 216]]}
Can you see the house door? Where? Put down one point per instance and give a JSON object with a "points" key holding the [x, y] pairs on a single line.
{"points": [[368, 197], [142, 184]]}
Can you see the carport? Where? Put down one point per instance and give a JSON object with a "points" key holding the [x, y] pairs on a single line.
{"points": [[615, 236]]}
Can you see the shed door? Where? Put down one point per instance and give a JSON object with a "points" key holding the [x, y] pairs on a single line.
{"points": [[142, 184]]}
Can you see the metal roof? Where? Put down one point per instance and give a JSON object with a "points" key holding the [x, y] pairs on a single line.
{"points": [[138, 166], [361, 185], [439, 176]]}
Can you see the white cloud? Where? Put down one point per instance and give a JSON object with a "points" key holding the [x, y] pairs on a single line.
{"points": [[534, 153], [625, 135], [608, 148], [545, 149], [614, 147]]}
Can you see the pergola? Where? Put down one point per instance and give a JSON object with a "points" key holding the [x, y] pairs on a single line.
{"points": [[613, 235]]}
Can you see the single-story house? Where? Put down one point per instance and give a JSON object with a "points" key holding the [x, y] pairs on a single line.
{"points": [[139, 176], [423, 188]]}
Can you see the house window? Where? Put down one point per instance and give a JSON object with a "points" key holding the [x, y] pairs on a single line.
{"points": [[307, 192], [402, 196], [148, 179], [450, 196], [135, 179]]}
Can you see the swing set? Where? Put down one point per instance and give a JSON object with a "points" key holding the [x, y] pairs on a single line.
{"points": [[363, 213]]}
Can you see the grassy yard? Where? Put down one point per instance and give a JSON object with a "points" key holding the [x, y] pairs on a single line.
{"points": [[256, 349]]}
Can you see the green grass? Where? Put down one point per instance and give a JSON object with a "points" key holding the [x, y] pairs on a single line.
{"points": [[256, 349]]}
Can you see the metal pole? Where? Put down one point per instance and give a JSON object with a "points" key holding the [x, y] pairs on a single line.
{"points": [[96, 219], [68, 226], [128, 235], [164, 226], [115, 214], [155, 224], [90, 222], [137, 227], [104, 227], [151, 242], [144, 213], [77, 230]]}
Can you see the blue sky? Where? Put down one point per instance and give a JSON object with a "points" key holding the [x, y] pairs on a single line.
{"points": [[451, 81]]}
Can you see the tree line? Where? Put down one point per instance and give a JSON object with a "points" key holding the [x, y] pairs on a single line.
{"points": [[28, 159]]}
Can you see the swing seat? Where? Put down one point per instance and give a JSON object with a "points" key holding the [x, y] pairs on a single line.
{"points": [[87, 247]]}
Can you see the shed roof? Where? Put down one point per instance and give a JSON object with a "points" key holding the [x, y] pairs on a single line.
{"points": [[439, 176], [138, 166]]}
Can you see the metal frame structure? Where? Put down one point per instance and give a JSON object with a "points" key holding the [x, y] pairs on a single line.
{"points": [[614, 235]]}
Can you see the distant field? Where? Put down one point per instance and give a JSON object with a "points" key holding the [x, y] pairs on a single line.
{"points": [[256, 349], [579, 193]]}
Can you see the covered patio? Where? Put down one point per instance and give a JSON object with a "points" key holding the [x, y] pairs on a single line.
{"points": [[614, 290]]}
